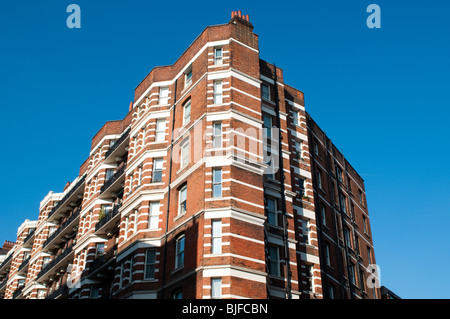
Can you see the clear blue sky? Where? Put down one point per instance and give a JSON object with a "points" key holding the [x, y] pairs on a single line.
{"points": [[381, 95]]}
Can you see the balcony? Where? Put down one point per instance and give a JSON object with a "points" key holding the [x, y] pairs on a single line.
{"points": [[114, 184], [59, 261], [64, 230], [119, 147], [5, 263], [102, 225], [102, 259], [58, 292], [18, 292], [23, 265], [27, 242], [3, 285], [72, 195]]}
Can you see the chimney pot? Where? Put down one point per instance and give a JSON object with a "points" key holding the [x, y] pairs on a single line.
{"points": [[239, 13]]}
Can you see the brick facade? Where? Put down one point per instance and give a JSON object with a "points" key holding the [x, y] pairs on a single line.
{"points": [[175, 199]]}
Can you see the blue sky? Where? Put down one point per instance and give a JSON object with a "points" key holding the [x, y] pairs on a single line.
{"points": [[381, 95]]}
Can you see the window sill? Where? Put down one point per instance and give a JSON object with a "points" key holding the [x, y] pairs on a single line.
{"points": [[179, 216], [267, 100], [186, 87], [329, 267], [182, 169], [150, 280], [272, 180], [308, 245], [276, 277], [176, 270]]}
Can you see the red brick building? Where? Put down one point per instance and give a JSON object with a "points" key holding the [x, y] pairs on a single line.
{"points": [[217, 184]]}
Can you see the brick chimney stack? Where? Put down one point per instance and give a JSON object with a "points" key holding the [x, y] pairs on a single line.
{"points": [[7, 245], [240, 15]]}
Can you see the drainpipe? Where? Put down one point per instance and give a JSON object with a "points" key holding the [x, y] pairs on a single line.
{"points": [[164, 261], [283, 196]]}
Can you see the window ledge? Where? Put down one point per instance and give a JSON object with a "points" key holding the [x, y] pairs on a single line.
{"points": [[179, 216], [150, 280], [176, 270], [182, 169]]}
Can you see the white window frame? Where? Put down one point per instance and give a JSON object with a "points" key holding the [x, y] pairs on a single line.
{"points": [[275, 263], [218, 92], [188, 78], [184, 154], [323, 214], [348, 237], [218, 59], [298, 148], [109, 173], [343, 202], [153, 219], [216, 236], [217, 138], [150, 263], [131, 182], [157, 168], [306, 232], [216, 288], [327, 254], [319, 179], [216, 183], [295, 118], [352, 273], [186, 112], [160, 130], [139, 176], [267, 129], [179, 253], [181, 210], [272, 213], [265, 91], [163, 97], [136, 215]]}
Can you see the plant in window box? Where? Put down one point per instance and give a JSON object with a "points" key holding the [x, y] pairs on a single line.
{"points": [[102, 214], [305, 197]]}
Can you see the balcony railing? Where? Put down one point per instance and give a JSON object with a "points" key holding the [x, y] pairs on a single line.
{"points": [[115, 177], [67, 196], [107, 217], [29, 236], [102, 259], [6, 261], [62, 289], [18, 292], [118, 142], [24, 263], [55, 261], [61, 228]]}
